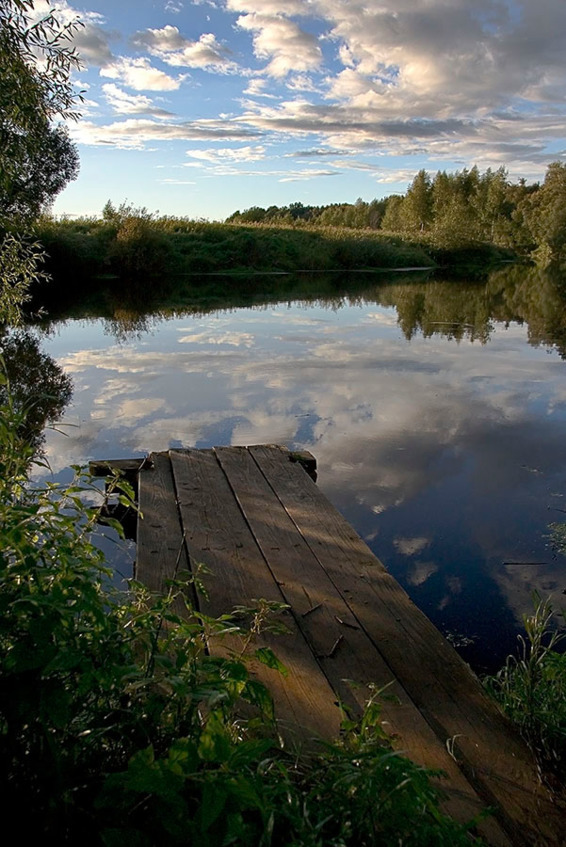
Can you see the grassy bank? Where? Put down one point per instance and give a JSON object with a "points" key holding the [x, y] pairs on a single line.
{"points": [[133, 244]]}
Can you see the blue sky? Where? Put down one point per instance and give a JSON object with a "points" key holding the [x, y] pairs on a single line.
{"points": [[202, 107]]}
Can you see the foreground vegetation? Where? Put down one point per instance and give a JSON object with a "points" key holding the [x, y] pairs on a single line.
{"points": [[37, 158], [531, 688], [118, 726]]}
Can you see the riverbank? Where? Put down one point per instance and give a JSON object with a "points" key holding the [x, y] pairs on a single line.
{"points": [[136, 245]]}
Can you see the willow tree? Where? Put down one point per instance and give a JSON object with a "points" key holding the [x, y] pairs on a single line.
{"points": [[37, 158]]}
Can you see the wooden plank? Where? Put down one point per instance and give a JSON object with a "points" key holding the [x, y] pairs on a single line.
{"points": [[343, 649], [127, 466], [218, 536], [441, 685], [161, 552]]}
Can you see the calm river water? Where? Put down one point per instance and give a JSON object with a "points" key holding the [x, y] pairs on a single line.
{"points": [[436, 411]]}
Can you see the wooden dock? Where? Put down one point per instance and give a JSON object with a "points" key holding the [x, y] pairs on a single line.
{"points": [[259, 523]]}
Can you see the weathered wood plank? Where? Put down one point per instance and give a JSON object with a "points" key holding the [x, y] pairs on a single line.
{"points": [[440, 684], [343, 649], [218, 536], [100, 467], [161, 553]]}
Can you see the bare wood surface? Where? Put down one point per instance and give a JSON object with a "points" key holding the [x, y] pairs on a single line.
{"points": [[218, 536], [443, 688], [161, 553]]}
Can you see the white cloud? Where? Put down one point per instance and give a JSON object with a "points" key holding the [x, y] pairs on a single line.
{"points": [[233, 339], [171, 181], [268, 7], [283, 42], [133, 133], [172, 48], [301, 176], [256, 88], [131, 104], [227, 154], [301, 82], [442, 80], [411, 546], [139, 74]]}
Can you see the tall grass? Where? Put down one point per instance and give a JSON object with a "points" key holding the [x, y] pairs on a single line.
{"points": [[531, 688], [133, 242]]}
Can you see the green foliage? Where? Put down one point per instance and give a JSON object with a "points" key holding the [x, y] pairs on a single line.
{"points": [[456, 211], [138, 246], [20, 261], [545, 214], [121, 724], [37, 158], [531, 687]]}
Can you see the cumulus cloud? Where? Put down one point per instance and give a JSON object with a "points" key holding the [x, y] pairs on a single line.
{"points": [[139, 74], [131, 104], [174, 49], [283, 42], [442, 80], [257, 88], [91, 38]]}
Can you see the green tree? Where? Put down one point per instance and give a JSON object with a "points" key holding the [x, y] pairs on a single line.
{"points": [[36, 157], [417, 206], [546, 215], [393, 216], [453, 213]]}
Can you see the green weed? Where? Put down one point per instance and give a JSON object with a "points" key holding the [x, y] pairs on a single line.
{"points": [[531, 687]]}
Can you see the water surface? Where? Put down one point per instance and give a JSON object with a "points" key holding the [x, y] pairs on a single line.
{"points": [[436, 412]]}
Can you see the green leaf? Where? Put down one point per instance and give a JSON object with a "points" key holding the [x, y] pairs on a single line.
{"points": [[214, 743], [267, 657], [214, 797]]}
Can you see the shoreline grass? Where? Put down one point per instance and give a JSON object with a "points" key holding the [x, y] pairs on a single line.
{"points": [[135, 245]]}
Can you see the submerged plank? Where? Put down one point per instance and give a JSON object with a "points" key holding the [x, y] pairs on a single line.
{"points": [[218, 536], [439, 683]]}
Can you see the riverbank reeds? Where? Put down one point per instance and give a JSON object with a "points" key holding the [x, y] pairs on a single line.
{"points": [[134, 245]]}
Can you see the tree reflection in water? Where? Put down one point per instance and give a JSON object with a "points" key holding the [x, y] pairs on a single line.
{"points": [[37, 384]]}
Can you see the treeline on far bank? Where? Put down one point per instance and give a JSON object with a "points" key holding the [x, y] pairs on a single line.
{"points": [[467, 220], [467, 207]]}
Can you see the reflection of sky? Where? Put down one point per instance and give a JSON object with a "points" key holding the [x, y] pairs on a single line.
{"points": [[449, 458]]}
